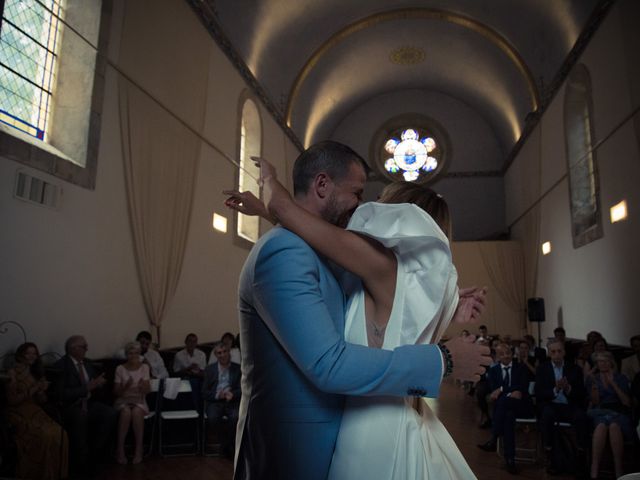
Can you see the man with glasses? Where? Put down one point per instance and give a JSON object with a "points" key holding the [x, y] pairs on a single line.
{"points": [[89, 423]]}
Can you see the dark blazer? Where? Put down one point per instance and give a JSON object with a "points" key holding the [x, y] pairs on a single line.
{"points": [[210, 383], [519, 380], [546, 381], [69, 387]]}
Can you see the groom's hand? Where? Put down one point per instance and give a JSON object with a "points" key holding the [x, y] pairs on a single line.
{"points": [[470, 359]]}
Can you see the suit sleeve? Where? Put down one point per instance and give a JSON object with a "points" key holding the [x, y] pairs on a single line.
{"points": [[543, 388], [210, 383], [287, 297]]}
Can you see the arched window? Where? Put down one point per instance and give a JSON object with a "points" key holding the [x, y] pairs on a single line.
{"points": [[250, 146], [584, 195]]}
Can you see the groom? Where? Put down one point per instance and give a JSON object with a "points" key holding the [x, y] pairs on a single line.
{"points": [[296, 366]]}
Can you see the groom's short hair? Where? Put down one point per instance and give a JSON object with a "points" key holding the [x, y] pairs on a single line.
{"points": [[331, 157]]}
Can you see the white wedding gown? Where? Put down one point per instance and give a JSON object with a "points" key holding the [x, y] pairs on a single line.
{"points": [[385, 438]]}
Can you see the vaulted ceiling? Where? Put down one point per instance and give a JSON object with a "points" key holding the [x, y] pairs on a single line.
{"points": [[319, 62]]}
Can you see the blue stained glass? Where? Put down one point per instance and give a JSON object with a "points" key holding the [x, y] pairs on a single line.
{"points": [[411, 155]]}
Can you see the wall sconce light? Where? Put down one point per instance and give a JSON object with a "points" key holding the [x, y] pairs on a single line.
{"points": [[618, 212], [546, 248], [219, 223]]}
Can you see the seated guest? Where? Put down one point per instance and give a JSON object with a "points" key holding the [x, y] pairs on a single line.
{"points": [[537, 353], [599, 345], [88, 422], [586, 349], [131, 385], [230, 341], [561, 397], [559, 333], [509, 390], [41, 443], [190, 362], [631, 365], [151, 356], [221, 394], [609, 409], [482, 334], [527, 360], [482, 391]]}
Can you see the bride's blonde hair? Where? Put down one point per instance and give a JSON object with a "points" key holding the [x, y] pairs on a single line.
{"points": [[425, 198]]}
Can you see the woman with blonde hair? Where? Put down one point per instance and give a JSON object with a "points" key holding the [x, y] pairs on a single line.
{"points": [[131, 385]]}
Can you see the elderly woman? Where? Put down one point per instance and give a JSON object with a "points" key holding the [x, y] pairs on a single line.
{"points": [[609, 408], [130, 388], [42, 443]]}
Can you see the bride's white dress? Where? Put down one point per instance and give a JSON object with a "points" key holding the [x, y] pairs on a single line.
{"points": [[384, 438]]}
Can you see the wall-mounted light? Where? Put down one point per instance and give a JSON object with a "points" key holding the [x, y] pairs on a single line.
{"points": [[618, 212], [219, 223], [546, 248]]}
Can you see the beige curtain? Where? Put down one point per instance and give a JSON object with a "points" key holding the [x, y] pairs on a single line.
{"points": [[505, 265], [160, 165]]}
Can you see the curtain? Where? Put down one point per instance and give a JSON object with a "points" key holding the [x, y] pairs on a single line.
{"points": [[160, 165], [505, 266]]}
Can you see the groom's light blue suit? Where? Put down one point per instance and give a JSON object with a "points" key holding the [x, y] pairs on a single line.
{"points": [[296, 366]]}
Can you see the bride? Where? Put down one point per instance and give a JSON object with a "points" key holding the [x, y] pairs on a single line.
{"points": [[410, 299]]}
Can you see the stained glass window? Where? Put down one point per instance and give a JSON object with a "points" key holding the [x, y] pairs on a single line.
{"points": [[29, 37], [586, 221], [412, 154]]}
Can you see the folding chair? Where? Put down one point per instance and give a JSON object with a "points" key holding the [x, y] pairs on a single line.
{"points": [[176, 413], [525, 451], [151, 418]]}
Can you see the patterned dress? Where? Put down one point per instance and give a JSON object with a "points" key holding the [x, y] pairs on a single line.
{"points": [[42, 444]]}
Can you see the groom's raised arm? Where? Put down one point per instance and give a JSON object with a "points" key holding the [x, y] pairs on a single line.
{"points": [[289, 300]]}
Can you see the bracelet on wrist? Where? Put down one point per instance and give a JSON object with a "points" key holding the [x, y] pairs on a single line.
{"points": [[448, 360]]}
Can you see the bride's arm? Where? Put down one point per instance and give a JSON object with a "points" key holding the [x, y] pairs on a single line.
{"points": [[362, 256]]}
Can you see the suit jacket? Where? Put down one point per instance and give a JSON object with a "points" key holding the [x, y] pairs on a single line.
{"points": [[296, 366], [546, 382], [519, 380], [210, 383], [69, 387]]}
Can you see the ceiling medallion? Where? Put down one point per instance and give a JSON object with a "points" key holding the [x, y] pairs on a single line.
{"points": [[407, 55]]}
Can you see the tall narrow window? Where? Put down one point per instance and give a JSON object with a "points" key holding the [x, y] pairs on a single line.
{"points": [[250, 146], [586, 219], [29, 40]]}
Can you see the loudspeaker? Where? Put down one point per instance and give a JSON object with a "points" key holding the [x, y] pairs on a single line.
{"points": [[535, 309]]}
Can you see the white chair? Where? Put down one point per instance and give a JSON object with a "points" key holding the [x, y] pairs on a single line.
{"points": [[630, 476], [176, 412]]}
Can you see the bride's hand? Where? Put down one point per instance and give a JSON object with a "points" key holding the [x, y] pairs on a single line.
{"points": [[276, 197], [246, 203]]}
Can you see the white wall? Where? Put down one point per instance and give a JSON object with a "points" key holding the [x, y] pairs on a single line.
{"points": [[595, 286], [72, 270]]}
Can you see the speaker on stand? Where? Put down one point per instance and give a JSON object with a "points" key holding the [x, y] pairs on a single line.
{"points": [[535, 312]]}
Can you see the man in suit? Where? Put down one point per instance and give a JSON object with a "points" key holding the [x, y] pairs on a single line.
{"points": [[509, 390], [89, 423], [221, 393], [296, 365], [561, 396]]}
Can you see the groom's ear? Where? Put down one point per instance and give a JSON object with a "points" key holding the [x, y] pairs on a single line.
{"points": [[322, 185]]}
